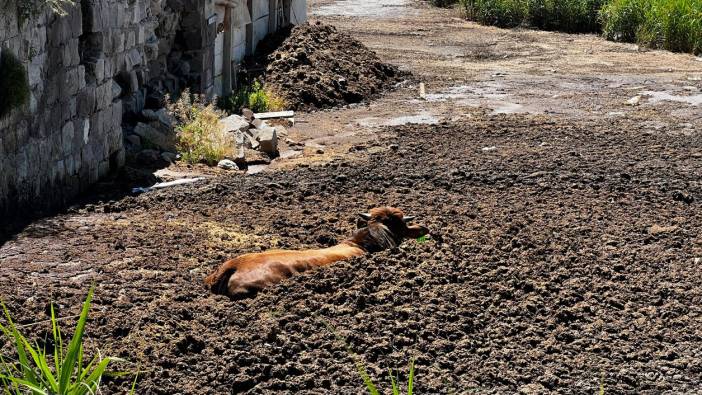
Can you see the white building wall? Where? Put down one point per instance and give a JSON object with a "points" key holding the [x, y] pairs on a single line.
{"points": [[258, 19], [298, 12]]}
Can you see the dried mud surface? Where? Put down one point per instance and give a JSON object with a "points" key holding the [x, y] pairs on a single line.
{"points": [[561, 253], [317, 67]]}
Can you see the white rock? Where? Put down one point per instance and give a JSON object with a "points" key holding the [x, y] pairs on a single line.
{"points": [[234, 123], [227, 164], [634, 101], [268, 139]]}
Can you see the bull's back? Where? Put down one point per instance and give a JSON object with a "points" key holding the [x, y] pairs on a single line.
{"points": [[250, 272]]}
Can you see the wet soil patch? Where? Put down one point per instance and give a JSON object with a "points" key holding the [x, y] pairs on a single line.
{"points": [[560, 253]]}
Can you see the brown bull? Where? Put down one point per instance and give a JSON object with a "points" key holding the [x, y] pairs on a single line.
{"points": [[385, 228]]}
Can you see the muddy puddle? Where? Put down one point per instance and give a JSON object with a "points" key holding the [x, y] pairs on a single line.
{"points": [[657, 97], [423, 118], [490, 96]]}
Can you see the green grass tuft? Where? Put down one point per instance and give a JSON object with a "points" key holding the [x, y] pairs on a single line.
{"points": [[199, 136], [62, 373], [254, 97], [361, 367]]}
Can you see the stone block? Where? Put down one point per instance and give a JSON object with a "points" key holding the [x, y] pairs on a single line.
{"points": [[44, 148], [133, 59], [76, 16], [86, 131], [69, 108], [93, 175], [99, 70], [70, 165], [95, 125], [10, 141], [80, 70], [154, 136], [116, 90], [79, 126], [52, 87], [67, 137], [118, 16], [118, 42], [105, 119], [234, 123], [37, 39], [117, 113], [103, 95], [140, 35], [86, 101], [103, 168], [77, 163], [119, 159], [35, 69], [34, 155], [131, 39], [93, 16], [22, 164], [110, 71], [56, 145], [119, 63], [72, 81], [268, 139], [59, 173], [22, 134], [70, 56]]}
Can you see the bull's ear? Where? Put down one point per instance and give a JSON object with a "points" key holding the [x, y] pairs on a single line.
{"points": [[365, 216], [408, 218]]}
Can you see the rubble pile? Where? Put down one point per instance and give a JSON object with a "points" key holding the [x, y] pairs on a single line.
{"points": [[318, 67], [255, 141]]}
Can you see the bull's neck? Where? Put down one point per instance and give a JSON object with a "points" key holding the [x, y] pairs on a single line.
{"points": [[363, 239]]}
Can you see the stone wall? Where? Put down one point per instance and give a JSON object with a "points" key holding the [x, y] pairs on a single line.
{"points": [[88, 72], [91, 73], [69, 133]]}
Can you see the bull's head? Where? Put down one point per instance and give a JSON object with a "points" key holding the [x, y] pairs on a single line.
{"points": [[389, 226]]}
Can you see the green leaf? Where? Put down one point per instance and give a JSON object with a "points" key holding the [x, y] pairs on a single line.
{"points": [[27, 372], [58, 340], [75, 347], [410, 381], [91, 383], [136, 376], [25, 383], [366, 378], [395, 388], [39, 358]]}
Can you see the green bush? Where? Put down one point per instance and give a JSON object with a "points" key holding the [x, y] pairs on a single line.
{"points": [[675, 25], [254, 97], [14, 85], [621, 19], [575, 16], [502, 13], [443, 3], [199, 137]]}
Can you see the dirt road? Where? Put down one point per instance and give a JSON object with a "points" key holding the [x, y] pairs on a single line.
{"points": [[565, 249]]}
